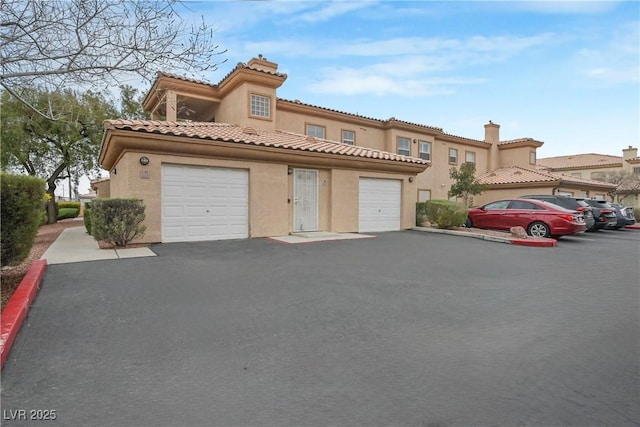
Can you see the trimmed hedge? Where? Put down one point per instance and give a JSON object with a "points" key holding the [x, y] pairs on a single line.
{"points": [[86, 218], [69, 205], [64, 213], [117, 221], [445, 213], [21, 215]]}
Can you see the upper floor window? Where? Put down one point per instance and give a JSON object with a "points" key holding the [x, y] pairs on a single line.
{"points": [[636, 171], [404, 146], [348, 137], [453, 156], [425, 150], [470, 157], [315, 130], [598, 176], [576, 174], [260, 106], [532, 157]]}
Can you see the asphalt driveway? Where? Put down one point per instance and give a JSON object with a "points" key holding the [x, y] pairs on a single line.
{"points": [[407, 328]]}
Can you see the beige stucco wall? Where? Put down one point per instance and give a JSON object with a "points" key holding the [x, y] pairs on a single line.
{"points": [[234, 107], [270, 193], [516, 156], [267, 190], [436, 178], [364, 136]]}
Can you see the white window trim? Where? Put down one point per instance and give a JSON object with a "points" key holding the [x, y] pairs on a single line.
{"points": [[258, 104], [451, 157], [309, 126], [349, 141], [407, 151], [428, 152]]}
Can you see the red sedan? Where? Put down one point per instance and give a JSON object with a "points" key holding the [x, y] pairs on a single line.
{"points": [[539, 218]]}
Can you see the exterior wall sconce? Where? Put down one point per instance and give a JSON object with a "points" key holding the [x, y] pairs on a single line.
{"points": [[144, 161], [415, 141], [289, 171], [410, 179]]}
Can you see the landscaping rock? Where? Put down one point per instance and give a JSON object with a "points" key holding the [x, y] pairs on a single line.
{"points": [[518, 232]]}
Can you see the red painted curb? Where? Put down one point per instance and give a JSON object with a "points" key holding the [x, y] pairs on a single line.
{"points": [[633, 227], [16, 310], [539, 243]]}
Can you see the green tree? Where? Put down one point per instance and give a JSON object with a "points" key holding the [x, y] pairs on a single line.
{"points": [[97, 44], [53, 150], [465, 185], [131, 104]]}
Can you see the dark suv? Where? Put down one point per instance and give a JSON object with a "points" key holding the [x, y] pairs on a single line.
{"points": [[624, 214], [568, 203], [604, 214]]}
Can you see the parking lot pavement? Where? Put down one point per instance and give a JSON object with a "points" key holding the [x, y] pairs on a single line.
{"points": [[407, 328]]}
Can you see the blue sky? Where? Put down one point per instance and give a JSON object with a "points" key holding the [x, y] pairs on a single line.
{"points": [[566, 73]]}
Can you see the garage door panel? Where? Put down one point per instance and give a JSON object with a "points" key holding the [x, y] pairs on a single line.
{"points": [[204, 203], [379, 204]]}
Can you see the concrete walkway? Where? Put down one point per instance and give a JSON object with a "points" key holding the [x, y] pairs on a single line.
{"points": [[75, 245]]}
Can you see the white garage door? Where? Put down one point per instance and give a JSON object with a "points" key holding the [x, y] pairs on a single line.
{"points": [[204, 203], [379, 204]]}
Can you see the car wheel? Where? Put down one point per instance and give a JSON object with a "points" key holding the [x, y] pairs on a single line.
{"points": [[468, 223], [538, 229]]}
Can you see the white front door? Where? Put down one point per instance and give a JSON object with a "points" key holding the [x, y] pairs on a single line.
{"points": [[305, 200]]}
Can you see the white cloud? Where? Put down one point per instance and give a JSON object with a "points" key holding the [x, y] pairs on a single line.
{"points": [[615, 61], [330, 10], [580, 7], [371, 81]]}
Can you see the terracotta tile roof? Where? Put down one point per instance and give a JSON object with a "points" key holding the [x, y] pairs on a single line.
{"points": [[520, 140], [298, 102], [184, 78], [240, 65], [568, 179], [515, 175], [277, 139], [577, 161], [518, 175], [630, 184], [634, 160]]}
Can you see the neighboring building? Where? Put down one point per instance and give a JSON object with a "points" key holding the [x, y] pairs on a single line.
{"points": [[233, 160], [623, 171]]}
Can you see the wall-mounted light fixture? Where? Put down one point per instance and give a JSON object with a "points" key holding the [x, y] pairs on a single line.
{"points": [[144, 160], [415, 141], [289, 171], [410, 179]]}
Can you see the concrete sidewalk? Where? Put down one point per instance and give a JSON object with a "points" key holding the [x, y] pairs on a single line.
{"points": [[75, 245]]}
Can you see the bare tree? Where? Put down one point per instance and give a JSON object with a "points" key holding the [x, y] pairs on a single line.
{"points": [[94, 44]]}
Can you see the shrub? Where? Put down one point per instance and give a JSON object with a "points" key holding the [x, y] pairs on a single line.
{"points": [[64, 213], [445, 213], [69, 205], [117, 221], [87, 217], [421, 213], [21, 214]]}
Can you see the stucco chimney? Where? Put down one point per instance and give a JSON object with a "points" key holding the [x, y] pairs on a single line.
{"points": [[492, 136], [628, 153], [261, 63]]}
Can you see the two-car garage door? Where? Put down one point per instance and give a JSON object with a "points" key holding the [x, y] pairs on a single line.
{"points": [[204, 203], [379, 205]]}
